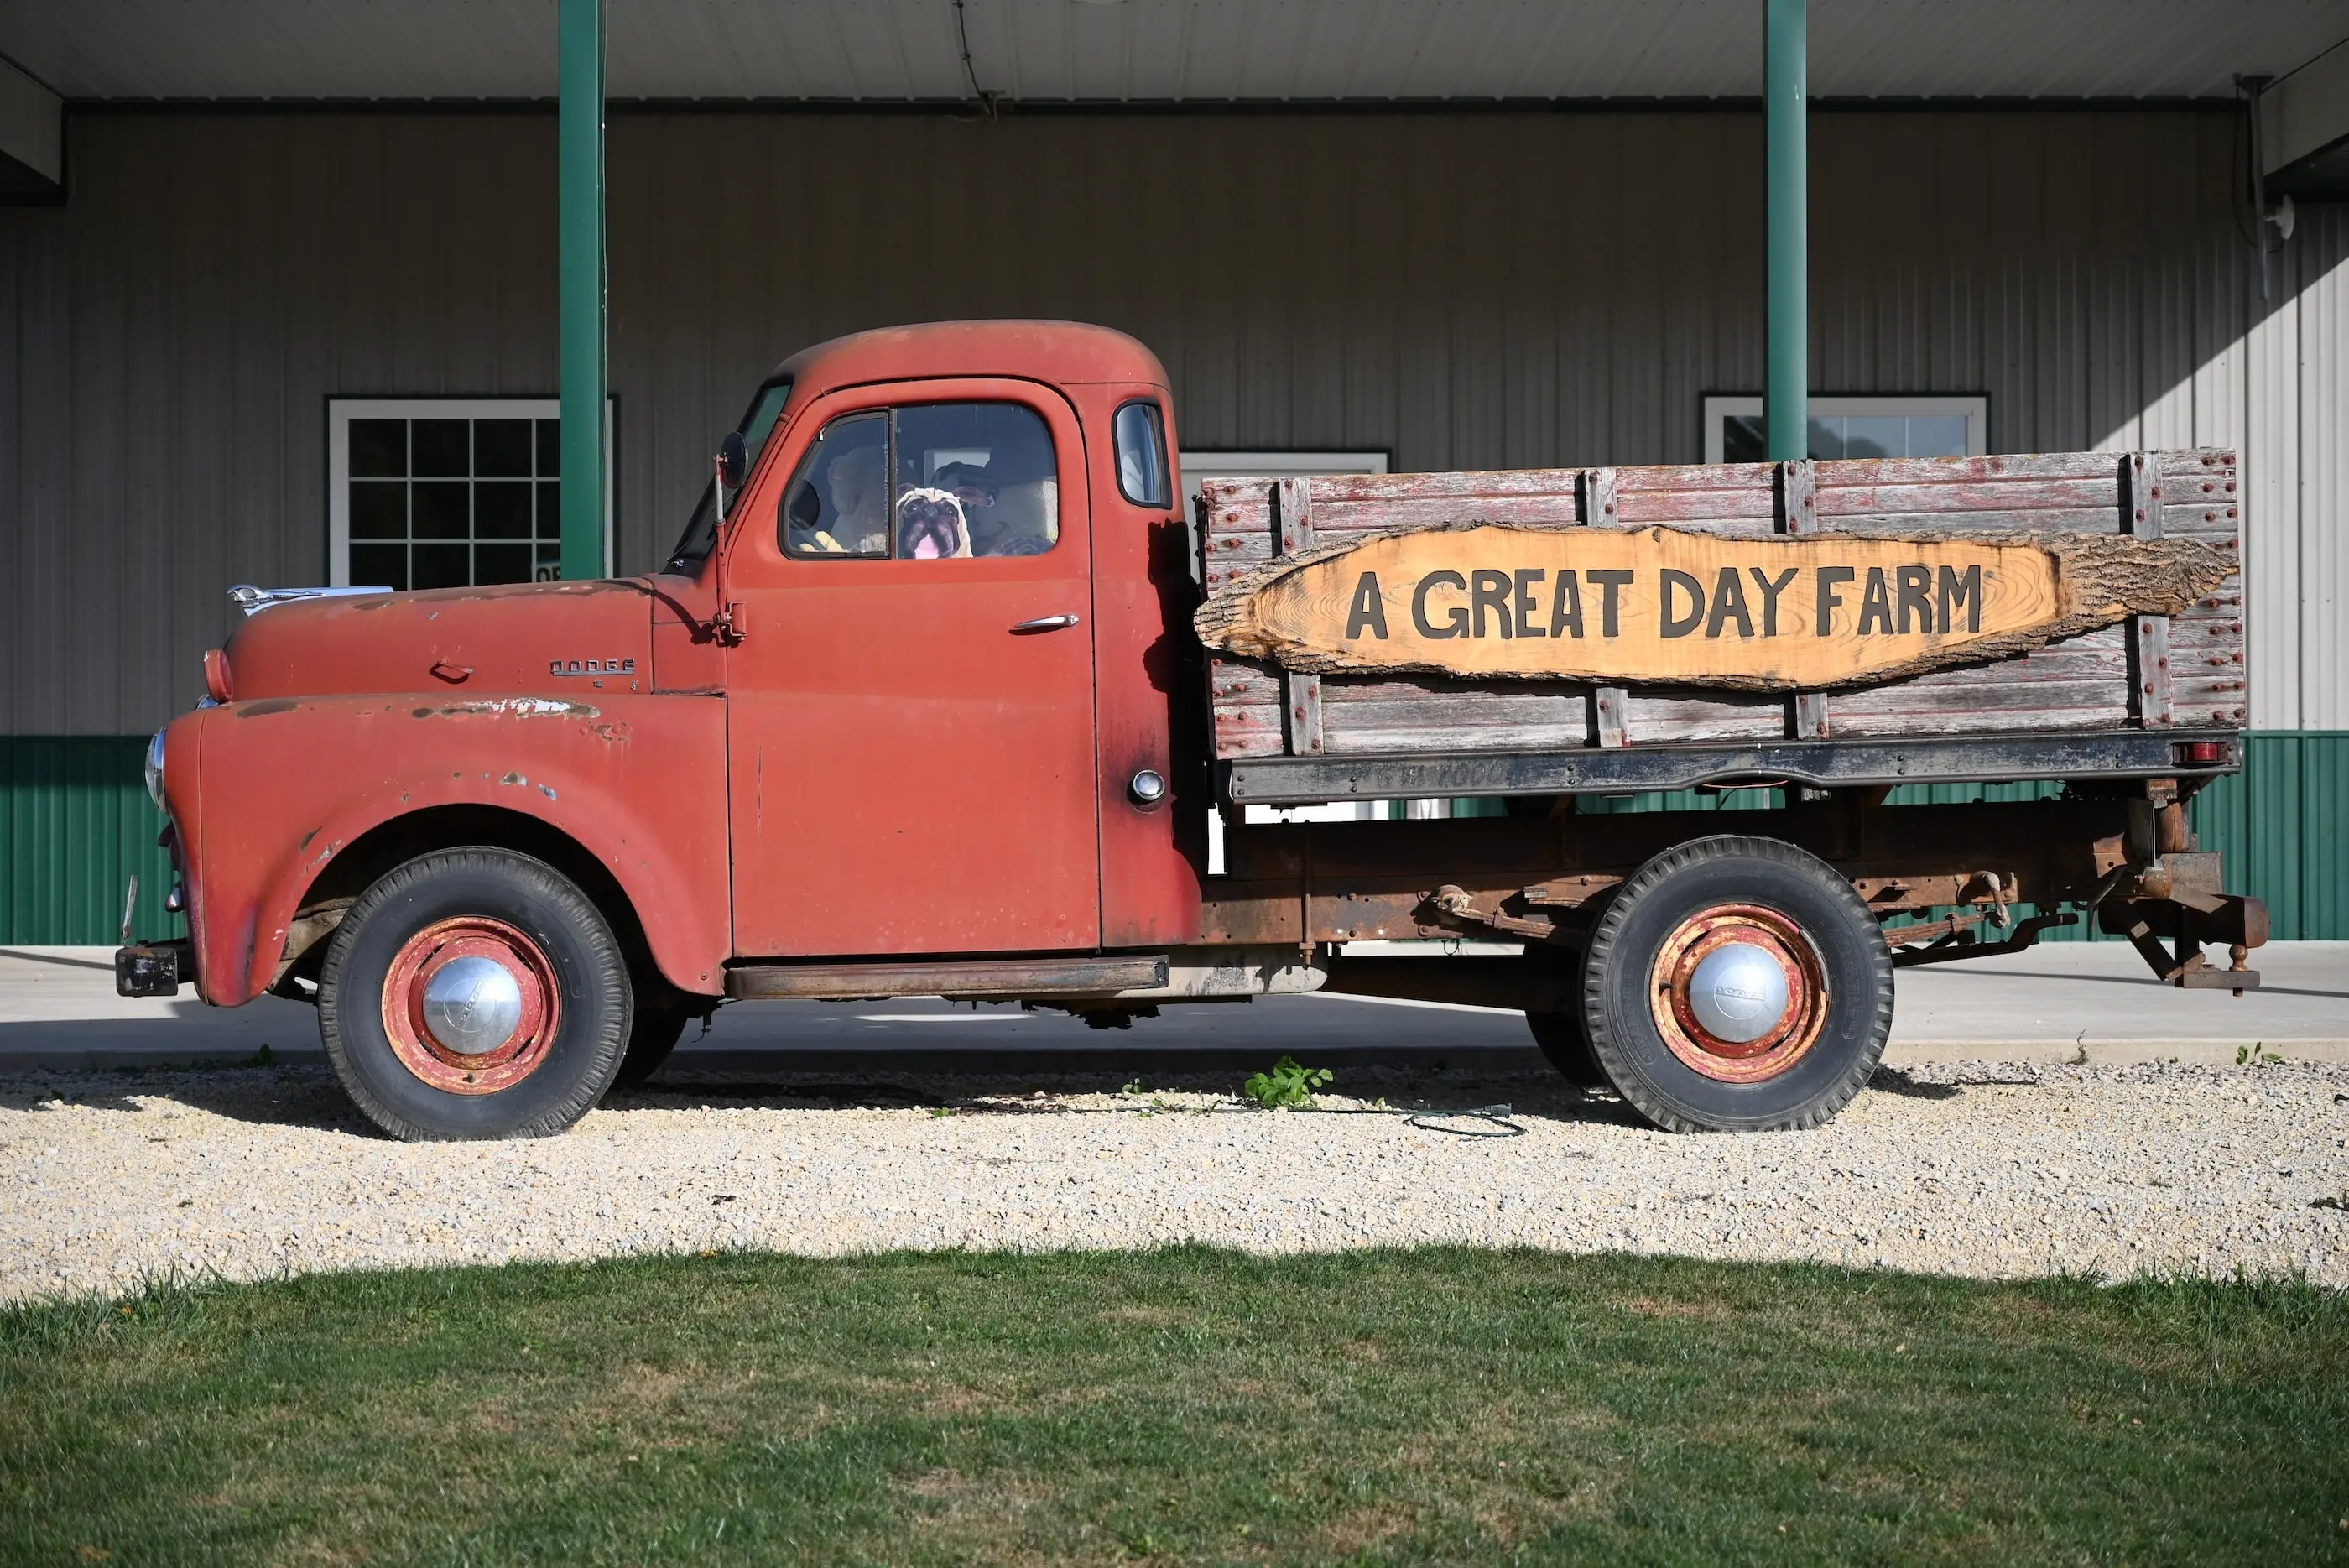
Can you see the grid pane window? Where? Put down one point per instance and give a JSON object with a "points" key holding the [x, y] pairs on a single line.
{"points": [[446, 493], [1856, 426]]}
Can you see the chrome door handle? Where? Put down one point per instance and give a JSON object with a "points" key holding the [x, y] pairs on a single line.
{"points": [[1046, 623]]}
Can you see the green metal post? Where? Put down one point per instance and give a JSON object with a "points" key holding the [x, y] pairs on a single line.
{"points": [[1787, 408], [579, 174]]}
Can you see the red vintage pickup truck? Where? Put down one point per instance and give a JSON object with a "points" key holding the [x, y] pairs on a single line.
{"points": [[918, 706]]}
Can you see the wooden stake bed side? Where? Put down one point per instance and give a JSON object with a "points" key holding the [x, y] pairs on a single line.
{"points": [[2184, 669]]}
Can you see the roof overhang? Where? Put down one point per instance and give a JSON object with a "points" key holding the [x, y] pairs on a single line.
{"points": [[1158, 51]]}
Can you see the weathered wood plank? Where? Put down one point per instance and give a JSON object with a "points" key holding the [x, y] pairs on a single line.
{"points": [[1449, 736], [1987, 696], [1247, 732], [1357, 487], [1339, 690], [2102, 716], [1921, 501], [1681, 508], [1407, 713], [2048, 466], [1334, 517], [1667, 715], [2104, 519]]}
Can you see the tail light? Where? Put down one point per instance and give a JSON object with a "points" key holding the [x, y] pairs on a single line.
{"points": [[2206, 753]]}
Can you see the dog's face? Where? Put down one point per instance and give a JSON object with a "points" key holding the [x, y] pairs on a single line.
{"points": [[930, 526]]}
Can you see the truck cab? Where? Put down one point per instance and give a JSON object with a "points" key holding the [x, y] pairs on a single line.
{"points": [[914, 684]]}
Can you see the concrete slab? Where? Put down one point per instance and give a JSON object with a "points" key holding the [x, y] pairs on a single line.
{"points": [[2066, 1002]]}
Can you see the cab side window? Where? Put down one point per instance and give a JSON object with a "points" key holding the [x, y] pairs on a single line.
{"points": [[927, 481]]}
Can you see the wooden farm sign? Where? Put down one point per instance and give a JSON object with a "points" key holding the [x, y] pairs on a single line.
{"points": [[1664, 605]]}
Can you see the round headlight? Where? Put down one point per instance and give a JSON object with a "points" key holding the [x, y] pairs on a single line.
{"points": [[155, 769]]}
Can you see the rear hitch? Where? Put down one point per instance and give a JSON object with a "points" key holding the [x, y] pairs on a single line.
{"points": [[2179, 901]]}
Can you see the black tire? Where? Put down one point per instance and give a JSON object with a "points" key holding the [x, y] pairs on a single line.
{"points": [[1563, 1041], [1561, 1035], [588, 977], [658, 1027], [1853, 968]]}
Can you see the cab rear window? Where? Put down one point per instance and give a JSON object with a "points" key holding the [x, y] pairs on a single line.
{"points": [[1141, 455]]}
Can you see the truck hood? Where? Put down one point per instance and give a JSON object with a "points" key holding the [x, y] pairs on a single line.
{"points": [[560, 637]]}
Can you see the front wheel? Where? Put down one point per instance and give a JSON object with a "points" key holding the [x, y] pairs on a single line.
{"points": [[474, 994], [1737, 984]]}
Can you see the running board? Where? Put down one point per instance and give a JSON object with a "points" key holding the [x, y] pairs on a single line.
{"points": [[970, 977]]}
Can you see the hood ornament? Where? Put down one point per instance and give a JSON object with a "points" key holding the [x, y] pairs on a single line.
{"points": [[252, 600]]}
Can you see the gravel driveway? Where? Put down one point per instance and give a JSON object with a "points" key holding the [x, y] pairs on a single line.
{"points": [[1979, 1169]]}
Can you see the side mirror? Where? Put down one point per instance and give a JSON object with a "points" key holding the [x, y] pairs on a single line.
{"points": [[733, 461]]}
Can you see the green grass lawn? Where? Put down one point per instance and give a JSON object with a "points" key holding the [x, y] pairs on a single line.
{"points": [[1189, 1404]]}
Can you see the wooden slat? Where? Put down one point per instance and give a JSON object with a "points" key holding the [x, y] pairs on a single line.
{"points": [[1607, 704], [1292, 508], [1601, 505], [1798, 514], [2141, 509]]}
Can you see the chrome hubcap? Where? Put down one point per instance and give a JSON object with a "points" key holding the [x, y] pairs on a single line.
{"points": [[1738, 992], [472, 1005]]}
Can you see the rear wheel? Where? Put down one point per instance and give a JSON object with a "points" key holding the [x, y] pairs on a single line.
{"points": [[1737, 984], [474, 994]]}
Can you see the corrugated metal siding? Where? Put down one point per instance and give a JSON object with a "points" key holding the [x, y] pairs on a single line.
{"points": [[2281, 824], [1467, 291], [75, 824]]}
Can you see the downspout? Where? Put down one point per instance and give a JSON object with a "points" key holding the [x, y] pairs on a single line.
{"points": [[1786, 405], [579, 177]]}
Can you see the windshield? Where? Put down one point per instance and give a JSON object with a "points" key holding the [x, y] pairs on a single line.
{"points": [[757, 424]]}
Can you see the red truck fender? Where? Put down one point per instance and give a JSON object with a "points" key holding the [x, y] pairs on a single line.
{"points": [[311, 795]]}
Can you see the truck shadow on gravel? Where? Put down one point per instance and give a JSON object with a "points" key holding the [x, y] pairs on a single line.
{"points": [[1402, 1090], [300, 1096], [308, 1096]]}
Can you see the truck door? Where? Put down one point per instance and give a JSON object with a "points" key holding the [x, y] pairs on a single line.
{"points": [[910, 712]]}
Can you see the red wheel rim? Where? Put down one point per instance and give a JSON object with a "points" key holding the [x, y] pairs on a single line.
{"points": [[501, 1066], [1728, 1061]]}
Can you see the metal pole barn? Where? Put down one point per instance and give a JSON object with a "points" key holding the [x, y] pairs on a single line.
{"points": [[579, 175], [1787, 406]]}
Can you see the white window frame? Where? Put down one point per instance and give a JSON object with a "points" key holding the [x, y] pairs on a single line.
{"points": [[1278, 465], [1975, 407], [341, 411]]}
